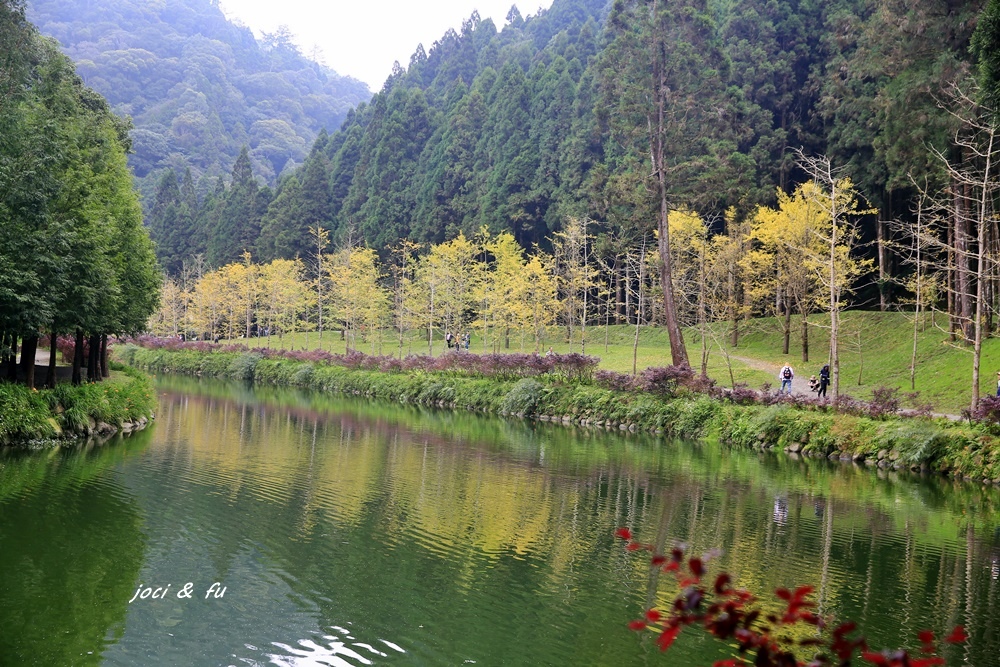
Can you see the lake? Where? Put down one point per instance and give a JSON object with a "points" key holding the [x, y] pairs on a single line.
{"points": [[302, 529]]}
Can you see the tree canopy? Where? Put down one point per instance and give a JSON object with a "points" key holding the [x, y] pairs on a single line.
{"points": [[74, 256]]}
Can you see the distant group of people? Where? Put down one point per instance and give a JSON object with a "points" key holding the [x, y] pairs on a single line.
{"points": [[819, 385], [456, 342]]}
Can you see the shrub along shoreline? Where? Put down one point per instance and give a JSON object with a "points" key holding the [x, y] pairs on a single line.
{"points": [[568, 394], [94, 411]]}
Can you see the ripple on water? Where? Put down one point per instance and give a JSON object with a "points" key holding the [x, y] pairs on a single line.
{"points": [[340, 650]]}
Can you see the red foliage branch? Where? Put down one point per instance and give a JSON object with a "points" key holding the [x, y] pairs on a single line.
{"points": [[731, 614]]}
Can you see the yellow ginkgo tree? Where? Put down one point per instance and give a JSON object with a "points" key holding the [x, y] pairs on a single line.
{"points": [[442, 293], [285, 296], [780, 281], [357, 296]]}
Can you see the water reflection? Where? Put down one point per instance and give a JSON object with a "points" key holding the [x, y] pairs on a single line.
{"points": [[353, 533], [71, 544]]}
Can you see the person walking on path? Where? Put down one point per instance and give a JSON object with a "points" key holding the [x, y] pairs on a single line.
{"points": [[785, 375], [824, 380]]}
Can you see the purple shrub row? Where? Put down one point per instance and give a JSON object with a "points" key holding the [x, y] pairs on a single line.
{"points": [[885, 401], [667, 381], [664, 381], [505, 366]]}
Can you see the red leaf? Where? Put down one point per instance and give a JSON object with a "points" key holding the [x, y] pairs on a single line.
{"points": [[638, 625], [721, 583], [624, 533], [668, 637], [653, 616], [783, 594], [726, 663], [633, 546], [697, 567], [844, 629], [802, 591], [957, 635], [875, 658], [657, 560], [926, 637]]}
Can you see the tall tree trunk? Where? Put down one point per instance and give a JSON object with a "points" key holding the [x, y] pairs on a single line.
{"points": [[93, 354], [834, 298], [805, 334], [920, 298], [703, 311], [29, 345], [737, 301], [883, 283], [628, 292], [12, 360], [618, 293], [952, 284], [50, 379], [786, 326], [962, 259], [735, 291], [78, 359], [105, 371], [678, 352], [982, 219]]}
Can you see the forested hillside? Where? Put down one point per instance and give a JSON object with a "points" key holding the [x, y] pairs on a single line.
{"points": [[761, 157], [518, 128], [198, 87]]}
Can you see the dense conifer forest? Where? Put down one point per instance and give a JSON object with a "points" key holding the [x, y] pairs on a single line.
{"points": [[518, 128]]}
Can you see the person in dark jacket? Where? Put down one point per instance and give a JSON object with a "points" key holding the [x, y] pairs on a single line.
{"points": [[824, 381]]}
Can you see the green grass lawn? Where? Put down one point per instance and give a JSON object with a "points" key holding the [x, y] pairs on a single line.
{"points": [[875, 350]]}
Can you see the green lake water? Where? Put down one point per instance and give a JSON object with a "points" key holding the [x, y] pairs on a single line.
{"points": [[346, 532]]}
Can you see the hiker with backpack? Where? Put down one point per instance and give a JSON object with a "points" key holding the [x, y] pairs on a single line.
{"points": [[785, 375]]}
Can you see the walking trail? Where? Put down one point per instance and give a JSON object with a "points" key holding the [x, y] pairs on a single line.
{"points": [[802, 380], [772, 369]]}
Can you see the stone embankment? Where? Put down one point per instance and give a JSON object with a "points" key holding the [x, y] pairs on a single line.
{"points": [[92, 412]]}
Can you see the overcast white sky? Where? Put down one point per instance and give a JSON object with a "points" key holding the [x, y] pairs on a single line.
{"points": [[362, 38]]}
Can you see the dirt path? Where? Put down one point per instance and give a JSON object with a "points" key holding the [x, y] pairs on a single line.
{"points": [[772, 369], [800, 381]]}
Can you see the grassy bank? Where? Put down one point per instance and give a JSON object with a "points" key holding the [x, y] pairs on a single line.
{"points": [[29, 416], [876, 350], [955, 448]]}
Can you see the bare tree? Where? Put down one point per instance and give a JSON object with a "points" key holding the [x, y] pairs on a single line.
{"points": [[973, 188], [321, 239], [838, 269]]}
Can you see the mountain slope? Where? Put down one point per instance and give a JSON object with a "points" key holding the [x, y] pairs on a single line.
{"points": [[197, 86]]}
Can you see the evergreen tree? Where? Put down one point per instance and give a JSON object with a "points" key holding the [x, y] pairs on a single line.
{"points": [[238, 217], [986, 46]]}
